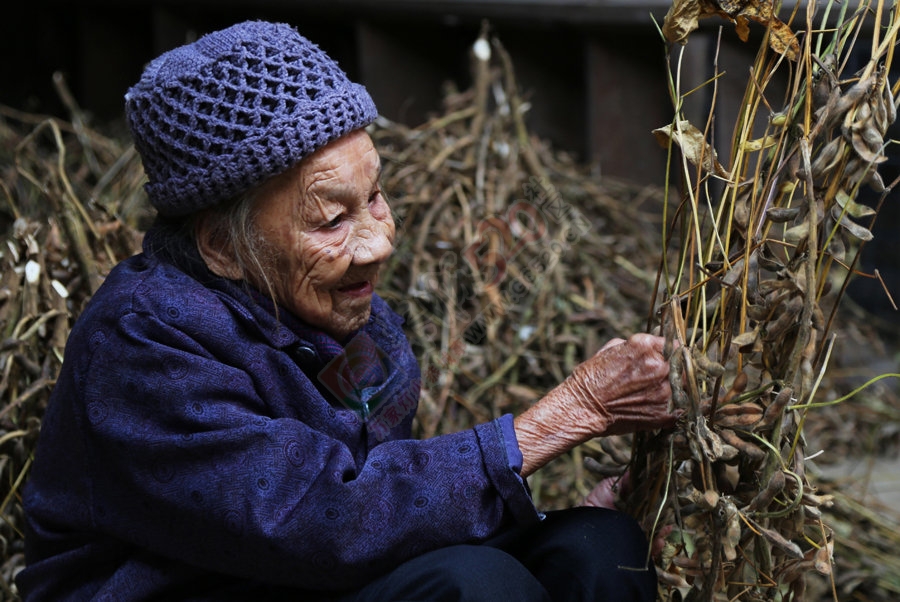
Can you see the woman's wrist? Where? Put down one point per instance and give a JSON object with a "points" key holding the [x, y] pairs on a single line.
{"points": [[550, 428]]}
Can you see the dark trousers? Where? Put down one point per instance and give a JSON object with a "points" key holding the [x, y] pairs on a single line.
{"points": [[580, 554]]}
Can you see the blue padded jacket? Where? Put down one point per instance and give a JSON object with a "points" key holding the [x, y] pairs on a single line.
{"points": [[197, 447]]}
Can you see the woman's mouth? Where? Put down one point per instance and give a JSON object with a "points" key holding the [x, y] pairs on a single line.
{"points": [[357, 289]]}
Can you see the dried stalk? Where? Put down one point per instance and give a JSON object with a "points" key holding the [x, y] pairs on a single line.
{"points": [[746, 296]]}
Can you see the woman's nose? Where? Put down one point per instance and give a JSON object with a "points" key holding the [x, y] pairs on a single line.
{"points": [[374, 241]]}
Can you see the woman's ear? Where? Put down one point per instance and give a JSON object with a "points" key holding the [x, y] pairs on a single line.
{"points": [[214, 249]]}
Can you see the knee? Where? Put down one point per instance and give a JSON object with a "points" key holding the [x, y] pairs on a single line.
{"points": [[586, 533], [603, 550], [484, 573], [469, 573]]}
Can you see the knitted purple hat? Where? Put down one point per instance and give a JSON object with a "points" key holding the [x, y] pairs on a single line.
{"points": [[216, 117]]}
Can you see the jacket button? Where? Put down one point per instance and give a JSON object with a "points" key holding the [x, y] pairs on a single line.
{"points": [[305, 354]]}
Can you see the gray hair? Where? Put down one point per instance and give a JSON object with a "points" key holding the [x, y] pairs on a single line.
{"points": [[232, 230]]}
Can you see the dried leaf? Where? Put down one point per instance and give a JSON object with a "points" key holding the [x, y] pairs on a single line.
{"points": [[822, 559], [742, 27], [683, 17], [692, 143], [710, 442], [781, 38], [728, 514]]}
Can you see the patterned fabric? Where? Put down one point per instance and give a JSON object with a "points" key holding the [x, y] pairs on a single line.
{"points": [[190, 452], [214, 118]]}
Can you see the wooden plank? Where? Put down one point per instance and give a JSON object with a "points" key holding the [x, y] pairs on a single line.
{"points": [[627, 98]]}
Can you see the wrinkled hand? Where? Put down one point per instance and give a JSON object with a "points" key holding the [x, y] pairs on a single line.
{"points": [[605, 494], [624, 387]]}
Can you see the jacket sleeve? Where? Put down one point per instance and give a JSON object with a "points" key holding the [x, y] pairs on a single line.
{"points": [[187, 459]]}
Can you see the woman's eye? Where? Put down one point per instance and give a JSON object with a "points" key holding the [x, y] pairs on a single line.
{"points": [[334, 223], [374, 196]]}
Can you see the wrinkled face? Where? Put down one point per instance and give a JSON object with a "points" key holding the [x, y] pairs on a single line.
{"points": [[329, 229]]}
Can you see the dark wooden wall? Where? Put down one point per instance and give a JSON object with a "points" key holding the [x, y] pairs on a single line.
{"points": [[592, 70], [594, 76]]}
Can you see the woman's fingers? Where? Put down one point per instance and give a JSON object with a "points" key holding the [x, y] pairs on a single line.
{"points": [[611, 343], [659, 540], [602, 495], [626, 384], [606, 493]]}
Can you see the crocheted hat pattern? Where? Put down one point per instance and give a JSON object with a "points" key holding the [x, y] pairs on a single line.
{"points": [[216, 117]]}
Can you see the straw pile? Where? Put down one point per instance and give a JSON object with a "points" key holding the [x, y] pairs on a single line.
{"points": [[59, 238], [501, 244], [513, 264]]}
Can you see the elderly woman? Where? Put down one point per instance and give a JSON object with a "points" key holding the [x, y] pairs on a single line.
{"points": [[211, 434]]}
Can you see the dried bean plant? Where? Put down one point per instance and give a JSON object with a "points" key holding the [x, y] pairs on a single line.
{"points": [[759, 251]]}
